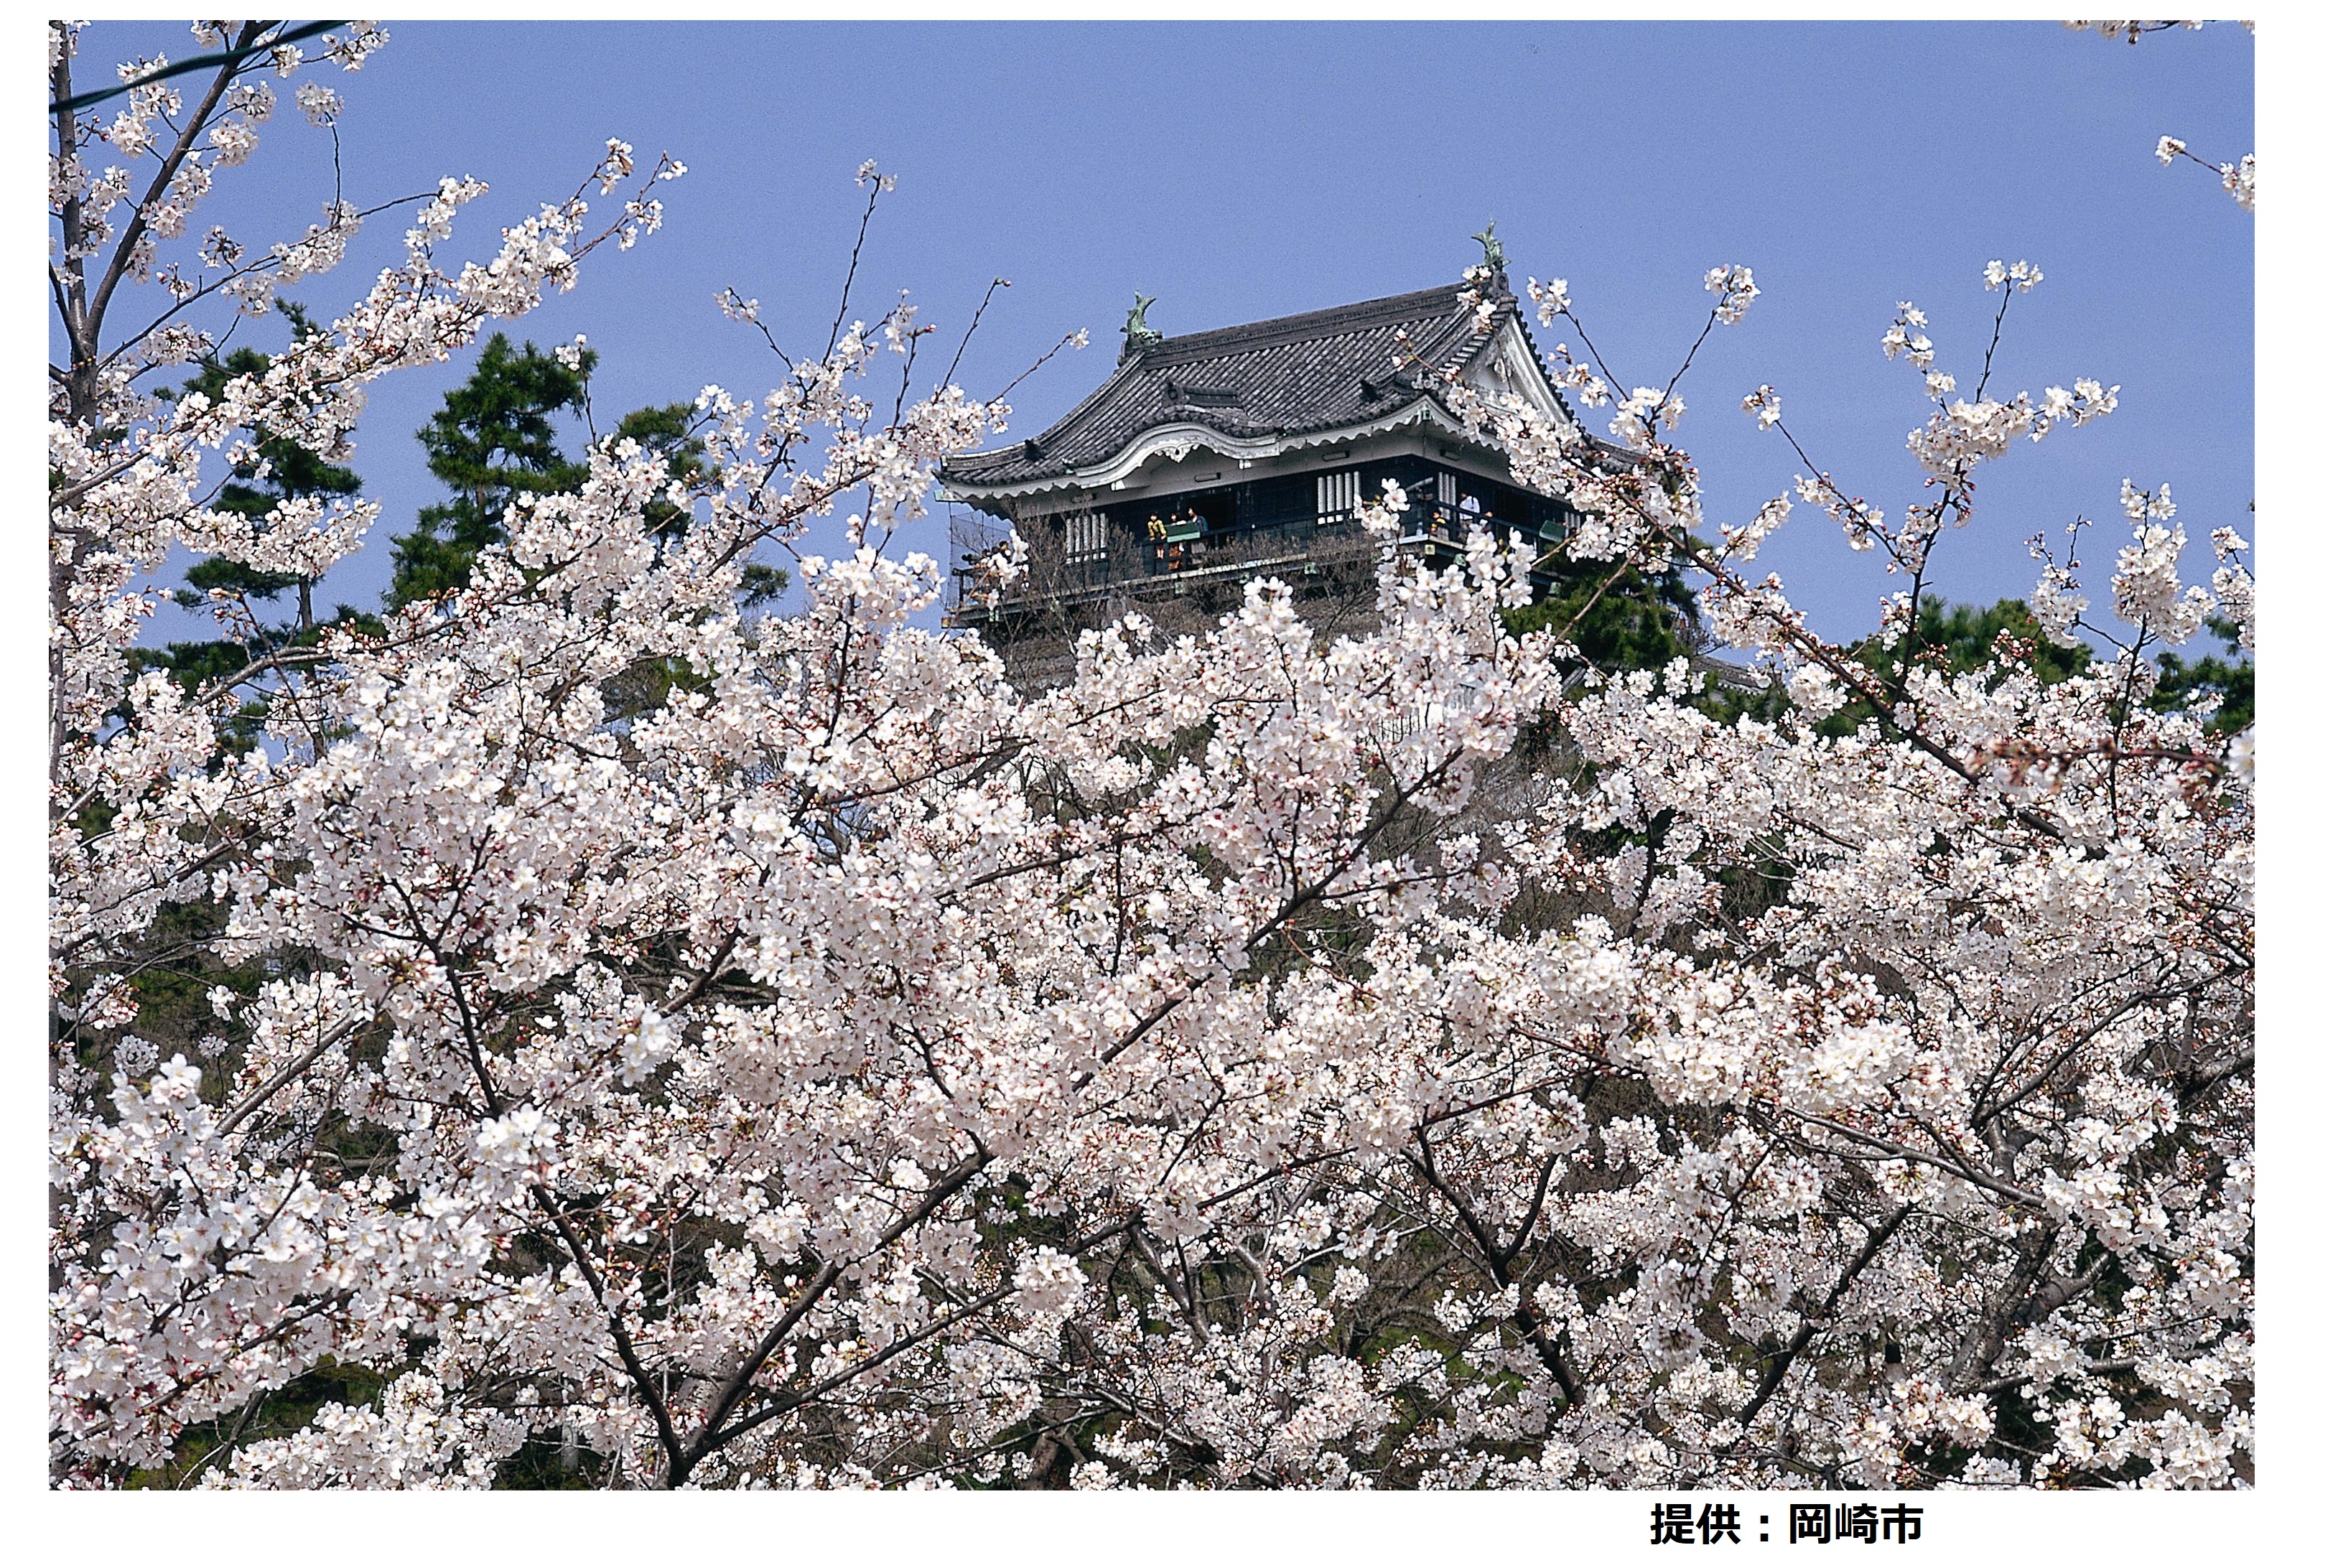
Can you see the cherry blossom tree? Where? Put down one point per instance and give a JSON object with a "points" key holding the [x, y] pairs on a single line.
{"points": [[1243, 1065]]}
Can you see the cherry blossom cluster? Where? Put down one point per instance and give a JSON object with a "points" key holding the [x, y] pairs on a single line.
{"points": [[2240, 180]]}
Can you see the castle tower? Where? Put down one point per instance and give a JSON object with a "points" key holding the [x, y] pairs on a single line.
{"points": [[1212, 458]]}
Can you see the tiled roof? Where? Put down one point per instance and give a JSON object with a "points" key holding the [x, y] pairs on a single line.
{"points": [[1288, 377]]}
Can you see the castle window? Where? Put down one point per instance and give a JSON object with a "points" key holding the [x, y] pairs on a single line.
{"points": [[1083, 538], [1448, 488], [1336, 497]]}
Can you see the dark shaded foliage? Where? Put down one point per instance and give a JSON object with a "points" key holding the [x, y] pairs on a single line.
{"points": [[1635, 621], [2231, 679]]}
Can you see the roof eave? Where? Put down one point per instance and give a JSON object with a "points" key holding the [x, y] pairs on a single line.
{"points": [[1423, 407]]}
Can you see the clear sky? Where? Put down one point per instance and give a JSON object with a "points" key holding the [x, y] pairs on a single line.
{"points": [[1241, 170]]}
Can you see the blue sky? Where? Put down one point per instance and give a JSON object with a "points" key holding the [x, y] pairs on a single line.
{"points": [[1239, 170]]}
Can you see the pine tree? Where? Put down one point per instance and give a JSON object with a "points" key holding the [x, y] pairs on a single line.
{"points": [[2232, 680], [1627, 621], [491, 443], [495, 440], [290, 470], [1956, 640], [279, 470], [669, 430]]}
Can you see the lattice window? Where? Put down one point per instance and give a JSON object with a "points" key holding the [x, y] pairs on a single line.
{"points": [[1336, 496], [1448, 488], [1083, 538]]}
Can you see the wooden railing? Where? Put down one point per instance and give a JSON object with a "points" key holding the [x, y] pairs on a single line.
{"points": [[1145, 566]]}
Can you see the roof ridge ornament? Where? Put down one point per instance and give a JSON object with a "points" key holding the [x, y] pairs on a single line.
{"points": [[1495, 262], [1136, 336]]}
